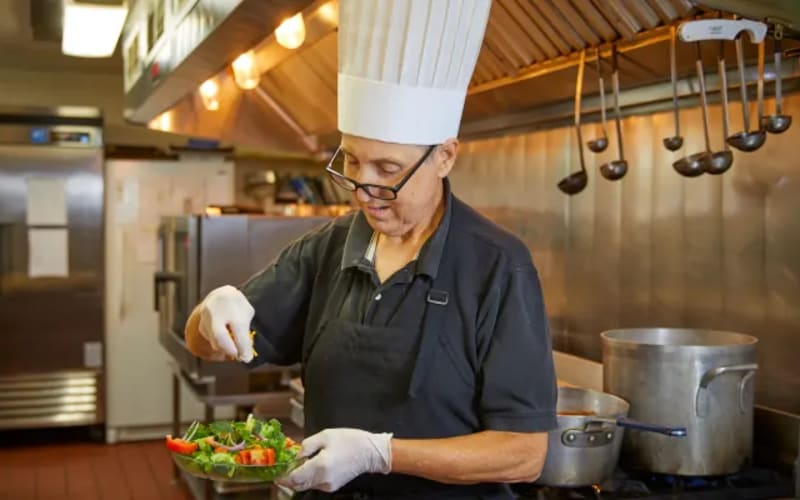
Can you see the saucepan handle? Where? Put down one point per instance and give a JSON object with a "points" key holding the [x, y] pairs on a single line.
{"points": [[748, 369], [643, 426]]}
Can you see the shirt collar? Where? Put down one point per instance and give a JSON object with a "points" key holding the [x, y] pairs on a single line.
{"points": [[360, 235]]}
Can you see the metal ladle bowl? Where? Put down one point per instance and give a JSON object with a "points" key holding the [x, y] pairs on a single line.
{"points": [[748, 141], [693, 165], [776, 124], [673, 143], [573, 183], [598, 145], [614, 170], [719, 162]]}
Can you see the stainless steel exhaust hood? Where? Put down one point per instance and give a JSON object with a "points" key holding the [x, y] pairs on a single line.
{"points": [[171, 47], [526, 63]]}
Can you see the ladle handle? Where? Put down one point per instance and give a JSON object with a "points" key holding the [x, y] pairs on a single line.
{"points": [[578, 92], [617, 112], [579, 88], [742, 84], [778, 76], [674, 75], [723, 89], [760, 84], [601, 84], [702, 80]]}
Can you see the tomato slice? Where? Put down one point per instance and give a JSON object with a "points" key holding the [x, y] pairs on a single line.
{"points": [[180, 446], [243, 457], [289, 442], [258, 457], [262, 456]]}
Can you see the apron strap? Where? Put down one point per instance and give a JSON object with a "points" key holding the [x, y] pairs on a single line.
{"points": [[432, 330]]}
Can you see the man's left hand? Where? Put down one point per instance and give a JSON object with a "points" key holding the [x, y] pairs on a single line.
{"points": [[341, 456]]}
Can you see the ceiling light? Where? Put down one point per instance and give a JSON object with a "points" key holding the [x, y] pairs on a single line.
{"points": [[329, 12], [91, 30], [245, 71], [209, 92], [292, 32]]}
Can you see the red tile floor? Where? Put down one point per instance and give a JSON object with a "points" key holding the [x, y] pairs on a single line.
{"points": [[87, 471]]}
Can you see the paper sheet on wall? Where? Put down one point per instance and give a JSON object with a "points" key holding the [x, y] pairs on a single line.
{"points": [[127, 196], [151, 195], [146, 246], [46, 201], [219, 188], [48, 253]]}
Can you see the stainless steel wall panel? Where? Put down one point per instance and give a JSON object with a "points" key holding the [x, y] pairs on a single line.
{"points": [[656, 249], [635, 236], [666, 228]]}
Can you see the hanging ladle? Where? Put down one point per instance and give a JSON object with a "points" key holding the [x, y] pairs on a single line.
{"points": [[601, 143], [777, 123], [721, 161], [695, 164], [675, 142], [746, 140], [575, 182], [616, 169]]}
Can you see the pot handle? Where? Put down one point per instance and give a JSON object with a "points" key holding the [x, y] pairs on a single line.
{"points": [[642, 426], [710, 375]]}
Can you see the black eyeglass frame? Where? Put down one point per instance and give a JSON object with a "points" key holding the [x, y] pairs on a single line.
{"points": [[344, 182]]}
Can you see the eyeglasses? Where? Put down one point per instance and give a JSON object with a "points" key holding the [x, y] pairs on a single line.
{"points": [[376, 191]]}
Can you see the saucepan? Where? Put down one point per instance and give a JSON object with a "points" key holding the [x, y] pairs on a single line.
{"points": [[585, 447]]}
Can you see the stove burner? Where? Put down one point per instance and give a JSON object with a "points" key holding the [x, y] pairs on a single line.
{"points": [[749, 484]]}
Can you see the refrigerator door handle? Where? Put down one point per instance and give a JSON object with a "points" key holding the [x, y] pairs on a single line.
{"points": [[161, 277]]}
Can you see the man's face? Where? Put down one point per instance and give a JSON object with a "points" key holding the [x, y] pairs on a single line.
{"points": [[369, 161]]}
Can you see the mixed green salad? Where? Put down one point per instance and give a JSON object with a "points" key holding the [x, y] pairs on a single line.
{"points": [[253, 450]]}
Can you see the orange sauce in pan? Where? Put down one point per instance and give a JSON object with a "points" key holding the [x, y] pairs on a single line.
{"points": [[576, 413]]}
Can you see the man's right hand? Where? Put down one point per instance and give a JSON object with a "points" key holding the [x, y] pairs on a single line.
{"points": [[219, 328]]}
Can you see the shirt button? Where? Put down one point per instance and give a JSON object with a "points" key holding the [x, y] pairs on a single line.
{"points": [[378, 297]]}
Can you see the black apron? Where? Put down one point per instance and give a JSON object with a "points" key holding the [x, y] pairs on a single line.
{"points": [[369, 377]]}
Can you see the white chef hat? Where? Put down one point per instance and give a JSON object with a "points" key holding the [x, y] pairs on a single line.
{"points": [[404, 66]]}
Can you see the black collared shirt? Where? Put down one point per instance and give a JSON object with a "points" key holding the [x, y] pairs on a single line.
{"points": [[499, 335]]}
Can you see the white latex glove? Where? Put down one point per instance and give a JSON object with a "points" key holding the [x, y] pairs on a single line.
{"points": [[344, 454], [225, 316]]}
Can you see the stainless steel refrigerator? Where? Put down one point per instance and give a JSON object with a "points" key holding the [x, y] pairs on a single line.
{"points": [[51, 269]]}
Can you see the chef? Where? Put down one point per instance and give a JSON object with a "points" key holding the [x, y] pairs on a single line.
{"points": [[420, 325]]}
